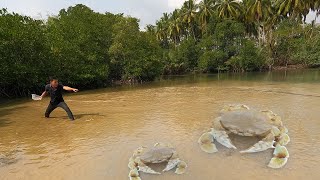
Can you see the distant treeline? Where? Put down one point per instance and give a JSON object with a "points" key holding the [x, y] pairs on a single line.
{"points": [[81, 47], [87, 49]]}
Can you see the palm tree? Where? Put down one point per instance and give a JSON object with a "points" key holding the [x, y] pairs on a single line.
{"points": [[175, 26], [162, 28], [258, 12], [205, 12], [150, 29], [189, 15], [293, 8], [228, 8]]}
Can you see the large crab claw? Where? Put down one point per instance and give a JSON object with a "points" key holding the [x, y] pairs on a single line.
{"points": [[281, 154], [173, 162], [136, 163], [206, 141], [262, 145], [265, 143]]}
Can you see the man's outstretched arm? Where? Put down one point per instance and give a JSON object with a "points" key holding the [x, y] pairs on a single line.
{"points": [[67, 88], [44, 94]]}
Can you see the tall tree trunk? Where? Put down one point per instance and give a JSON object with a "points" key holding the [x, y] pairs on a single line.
{"points": [[259, 36], [263, 35], [193, 33]]}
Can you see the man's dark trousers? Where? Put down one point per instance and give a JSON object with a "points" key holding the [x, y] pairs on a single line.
{"points": [[63, 105]]}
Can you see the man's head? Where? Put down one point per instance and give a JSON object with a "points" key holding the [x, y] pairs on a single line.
{"points": [[54, 82]]}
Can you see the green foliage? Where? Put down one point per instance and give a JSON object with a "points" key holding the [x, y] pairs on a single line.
{"points": [[183, 58], [81, 47], [248, 59], [306, 50], [79, 39], [212, 61], [23, 54], [134, 55], [293, 44], [229, 49]]}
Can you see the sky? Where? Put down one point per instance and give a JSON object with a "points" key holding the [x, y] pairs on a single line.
{"points": [[148, 11]]}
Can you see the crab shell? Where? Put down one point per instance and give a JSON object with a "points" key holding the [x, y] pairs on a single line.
{"points": [[247, 123], [157, 155], [240, 120]]}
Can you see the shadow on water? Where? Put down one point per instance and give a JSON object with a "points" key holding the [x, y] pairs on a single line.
{"points": [[7, 111], [79, 116], [8, 159]]}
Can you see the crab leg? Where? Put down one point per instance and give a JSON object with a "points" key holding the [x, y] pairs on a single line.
{"points": [[283, 139], [218, 133], [140, 166], [174, 161], [275, 119], [134, 175], [280, 158], [146, 169], [181, 167], [265, 143], [262, 145]]}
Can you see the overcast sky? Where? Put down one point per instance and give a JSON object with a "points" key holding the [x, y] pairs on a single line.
{"points": [[148, 11]]}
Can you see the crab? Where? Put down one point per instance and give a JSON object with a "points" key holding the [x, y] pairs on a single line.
{"points": [[240, 120], [159, 153]]}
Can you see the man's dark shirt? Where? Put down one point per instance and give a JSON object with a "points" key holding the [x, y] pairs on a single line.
{"points": [[55, 94]]}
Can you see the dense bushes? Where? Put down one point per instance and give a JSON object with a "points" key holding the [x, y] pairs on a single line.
{"points": [[134, 55], [78, 40], [23, 54], [183, 58], [83, 48], [296, 44], [226, 49]]}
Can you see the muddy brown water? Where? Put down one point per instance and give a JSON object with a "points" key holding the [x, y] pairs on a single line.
{"points": [[113, 122]]}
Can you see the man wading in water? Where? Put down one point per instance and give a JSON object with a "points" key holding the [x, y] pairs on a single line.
{"points": [[55, 90]]}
